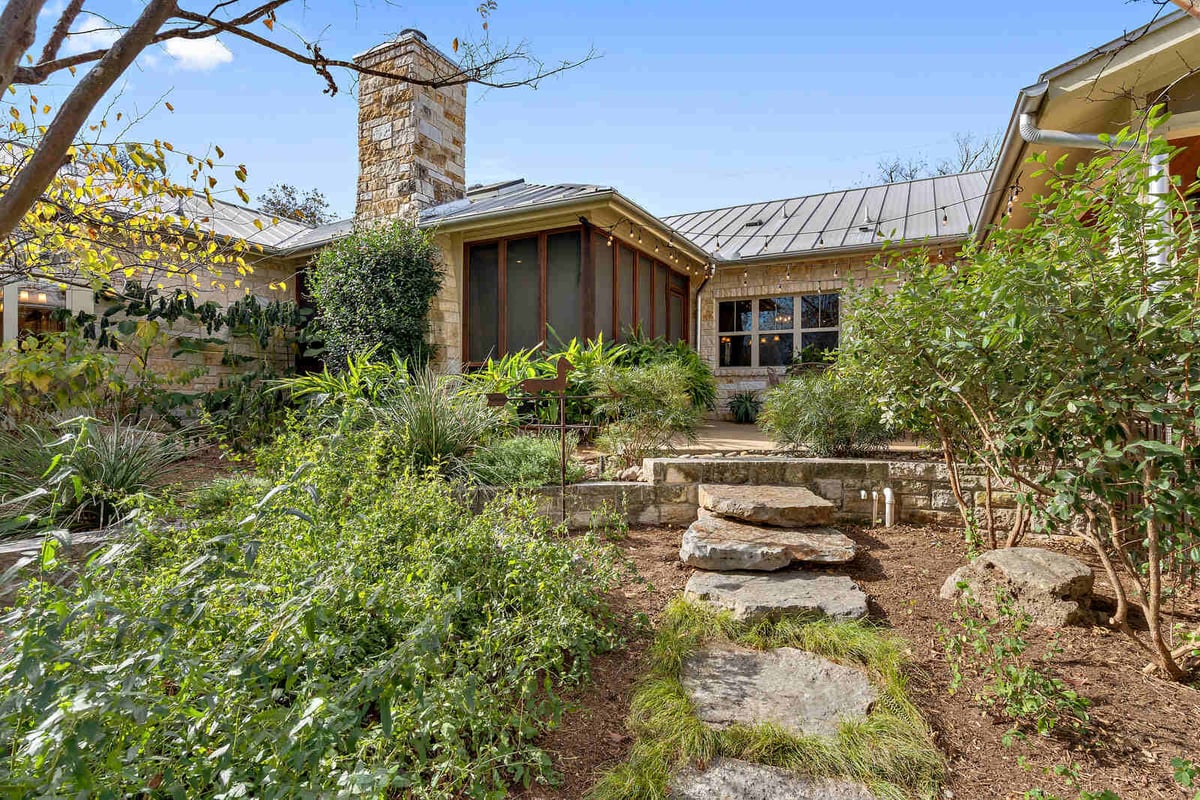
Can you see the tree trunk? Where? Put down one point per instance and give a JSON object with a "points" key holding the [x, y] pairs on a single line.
{"points": [[18, 31], [31, 181]]}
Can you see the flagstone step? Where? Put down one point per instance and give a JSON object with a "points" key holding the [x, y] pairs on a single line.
{"points": [[792, 593], [715, 543], [794, 689], [731, 779], [783, 506]]}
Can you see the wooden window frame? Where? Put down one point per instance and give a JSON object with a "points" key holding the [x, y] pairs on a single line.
{"points": [[587, 293]]}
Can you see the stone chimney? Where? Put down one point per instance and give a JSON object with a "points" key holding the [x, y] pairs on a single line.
{"points": [[411, 139]]}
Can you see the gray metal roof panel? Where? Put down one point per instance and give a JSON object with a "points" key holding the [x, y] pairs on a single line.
{"points": [[909, 210]]}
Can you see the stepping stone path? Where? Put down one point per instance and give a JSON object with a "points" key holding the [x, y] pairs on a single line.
{"points": [[782, 506], [730, 779], [794, 689], [775, 595], [741, 544], [717, 543]]}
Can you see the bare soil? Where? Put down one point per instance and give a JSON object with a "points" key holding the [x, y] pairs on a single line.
{"points": [[1139, 722]]}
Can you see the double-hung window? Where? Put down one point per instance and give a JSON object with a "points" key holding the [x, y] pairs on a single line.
{"points": [[773, 331]]}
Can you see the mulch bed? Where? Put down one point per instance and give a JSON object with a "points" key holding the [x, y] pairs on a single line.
{"points": [[1139, 722]]}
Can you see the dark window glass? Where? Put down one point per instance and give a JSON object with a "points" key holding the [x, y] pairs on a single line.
{"points": [[776, 314], [661, 281], [677, 316], [815, 345], [521, 293], [625, 270], [734, 315], [602, 259], [483, 293], [735, 351], [819, 311], [563, 262], [774, 349], [645, 294]]}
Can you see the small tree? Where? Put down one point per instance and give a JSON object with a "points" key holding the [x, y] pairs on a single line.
{"points": [[374, 288], [1061, 358], [285, 200]]}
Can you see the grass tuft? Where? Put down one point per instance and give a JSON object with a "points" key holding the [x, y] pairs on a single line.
{"points": [[891, 751]]}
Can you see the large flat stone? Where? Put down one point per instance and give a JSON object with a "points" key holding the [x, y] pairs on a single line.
{"points": [[715, 543], [1052, 588], [754, 596], [794, 689], [731, 779], [784, 506]]}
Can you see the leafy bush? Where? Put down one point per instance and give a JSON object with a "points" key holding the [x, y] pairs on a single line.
{"points": [[373, 288], [1060, 358], [82, 469], [54, 371], [347, 634], [995, 650], [699, 381], [647, 408], [524, 461], [828, 416], [744, 406], [433, 424]]}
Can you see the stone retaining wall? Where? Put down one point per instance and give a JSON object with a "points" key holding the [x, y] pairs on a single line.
{"points": [[668, 496]]}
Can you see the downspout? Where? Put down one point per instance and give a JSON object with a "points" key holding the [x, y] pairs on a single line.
{"points": [[1159, 181], [709, 271]]}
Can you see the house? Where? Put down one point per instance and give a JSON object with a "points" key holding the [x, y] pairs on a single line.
{"points": [[749, 286]]}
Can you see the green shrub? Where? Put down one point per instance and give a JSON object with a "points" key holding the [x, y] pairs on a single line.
{"points": [[373, 288], [80, 471], [525, 461], [647, 408], [433, 424], [744, 406], [346, 634], [823, 414], [699, 381]]}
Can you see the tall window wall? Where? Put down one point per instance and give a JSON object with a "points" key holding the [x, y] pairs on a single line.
{"points": [[555, 285]]}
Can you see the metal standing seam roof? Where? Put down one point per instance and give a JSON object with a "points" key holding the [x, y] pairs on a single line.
{"points": [[942, 207]]}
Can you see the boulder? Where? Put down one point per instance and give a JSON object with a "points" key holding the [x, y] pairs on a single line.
{"points": [[1054, 589], [731, 779], [793, 593], [794, 689], [716, 543], [783, 506]]}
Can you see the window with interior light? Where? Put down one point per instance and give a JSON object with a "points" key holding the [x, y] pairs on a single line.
{"points": [[36, 307], [774, 331]]}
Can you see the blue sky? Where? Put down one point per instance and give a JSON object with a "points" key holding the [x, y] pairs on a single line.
{"points": [[690, 105]]}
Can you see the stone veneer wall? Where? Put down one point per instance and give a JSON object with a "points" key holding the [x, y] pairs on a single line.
{"points": [[411, 138], [669, 497], [811, 276]]}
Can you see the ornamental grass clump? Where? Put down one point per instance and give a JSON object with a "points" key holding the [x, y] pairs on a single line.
{"points": [[349, 632]]}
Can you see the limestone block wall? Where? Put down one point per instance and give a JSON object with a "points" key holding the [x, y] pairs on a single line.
{"points": [[807, 276], [411, 138], [670, 495]]}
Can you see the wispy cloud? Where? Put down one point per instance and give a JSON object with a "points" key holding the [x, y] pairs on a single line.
{"points": [[198, 54], [91, 33]]}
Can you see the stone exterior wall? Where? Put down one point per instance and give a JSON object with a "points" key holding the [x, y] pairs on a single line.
{"points": [[670, 494], [810, 276], [411, 139], [268, 273]]}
